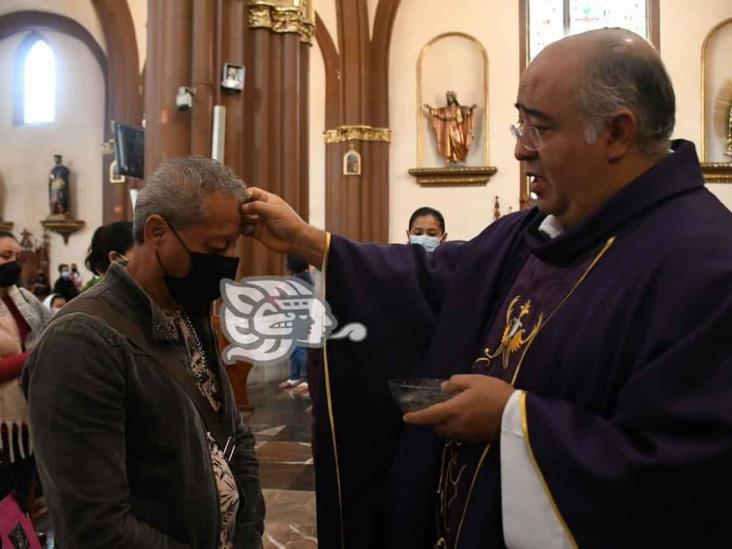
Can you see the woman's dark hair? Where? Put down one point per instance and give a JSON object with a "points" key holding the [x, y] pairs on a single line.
{"points": [[425, 211], [115, 237], [7, 234]]}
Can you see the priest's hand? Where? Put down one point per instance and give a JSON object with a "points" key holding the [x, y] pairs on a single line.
{"points": [[272, 221], [473, 414]]}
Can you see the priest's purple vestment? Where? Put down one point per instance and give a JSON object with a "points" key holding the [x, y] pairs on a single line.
{"points": [[619, 333]]}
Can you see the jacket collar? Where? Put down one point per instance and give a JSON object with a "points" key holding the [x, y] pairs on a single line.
{"points": [[162, 326], [677, 173]]}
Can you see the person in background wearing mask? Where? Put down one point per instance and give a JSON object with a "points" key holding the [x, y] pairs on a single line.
{"points": [[427, 228], [22, 318], [138, 438], [54, 302], [75, 276], [110, 243], [64, 285]]}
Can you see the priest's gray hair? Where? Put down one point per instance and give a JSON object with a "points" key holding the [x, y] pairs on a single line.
{"points": [[620, 74], [176, 190]]}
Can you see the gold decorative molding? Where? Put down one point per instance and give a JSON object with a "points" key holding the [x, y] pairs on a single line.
{"points": [[284, 16], [464, 176], [717, 172], [357, 133]]}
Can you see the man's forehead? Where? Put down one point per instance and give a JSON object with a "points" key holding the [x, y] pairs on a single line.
{"points": [[548, 82], [220, 226]]}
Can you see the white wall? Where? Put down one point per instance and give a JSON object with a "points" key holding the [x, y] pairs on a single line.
{"points": [[467, 210], [682, 32], [28, 151], [138, 9]]}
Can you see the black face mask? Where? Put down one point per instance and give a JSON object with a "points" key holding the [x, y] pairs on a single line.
{"points": [[9, 274], [200, 287]]}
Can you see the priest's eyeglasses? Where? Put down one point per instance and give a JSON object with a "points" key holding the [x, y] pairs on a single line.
{"points": [[528, 136]]}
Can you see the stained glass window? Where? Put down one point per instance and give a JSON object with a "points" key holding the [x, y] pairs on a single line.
{"points": [[550, 20]]}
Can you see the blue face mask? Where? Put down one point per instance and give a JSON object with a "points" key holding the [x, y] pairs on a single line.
{"points": [[429, 243]]}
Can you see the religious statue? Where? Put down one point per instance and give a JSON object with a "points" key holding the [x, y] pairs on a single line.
{"points": [[58, 189], [454, 128]]}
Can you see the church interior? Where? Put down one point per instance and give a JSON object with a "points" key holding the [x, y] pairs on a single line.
{"points": [[345, 108]]}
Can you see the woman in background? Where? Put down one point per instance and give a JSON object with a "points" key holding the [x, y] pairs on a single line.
{"points": [[22, 318], [427, 228], [109, 243]]}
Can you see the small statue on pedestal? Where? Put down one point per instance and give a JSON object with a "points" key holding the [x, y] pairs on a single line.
{"points": [[59, 219], [58, 189], [454, 128]]}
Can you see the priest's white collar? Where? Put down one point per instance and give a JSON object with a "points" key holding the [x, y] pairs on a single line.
{"points": [[551, 227]]}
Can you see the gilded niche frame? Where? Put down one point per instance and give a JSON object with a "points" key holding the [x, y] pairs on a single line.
{"points": [[451, 176], [714, 172]]}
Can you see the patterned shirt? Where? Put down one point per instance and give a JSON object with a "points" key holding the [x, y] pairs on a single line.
{"points": [[223, 477]]}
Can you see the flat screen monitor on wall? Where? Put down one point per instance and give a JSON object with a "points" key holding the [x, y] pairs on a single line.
{"points": [[129, 150]]}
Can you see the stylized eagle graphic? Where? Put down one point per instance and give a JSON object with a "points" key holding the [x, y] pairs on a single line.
{"points": [[265, 318]]}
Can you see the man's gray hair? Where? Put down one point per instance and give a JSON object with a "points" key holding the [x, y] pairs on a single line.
{"points": [[176, 190], [621, 76]]}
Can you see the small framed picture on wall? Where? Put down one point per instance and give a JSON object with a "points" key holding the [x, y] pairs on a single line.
{"points": [[352, 162]]}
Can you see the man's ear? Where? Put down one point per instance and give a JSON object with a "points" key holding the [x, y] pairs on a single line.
{"points": [[156, 230], [622, 134], [444, 238]]}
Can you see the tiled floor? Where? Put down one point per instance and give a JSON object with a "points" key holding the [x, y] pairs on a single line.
{"points": [[281, 426]]}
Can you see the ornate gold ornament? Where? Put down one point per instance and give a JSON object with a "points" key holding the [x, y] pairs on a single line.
{"points": [[717, 172], [357, 133], [284, 16], [464, 176]]}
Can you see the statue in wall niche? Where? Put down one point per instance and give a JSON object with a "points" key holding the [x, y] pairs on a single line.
{"points": [[58, 189], [454, 128]]}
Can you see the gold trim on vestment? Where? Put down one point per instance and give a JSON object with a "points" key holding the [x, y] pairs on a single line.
{"points": [[602, 252], [599, 256], [329, 397], [358, 132], [470, 493], [525, 429]]}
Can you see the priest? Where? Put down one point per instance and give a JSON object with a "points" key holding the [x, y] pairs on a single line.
{"points": [[586, 342]]}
